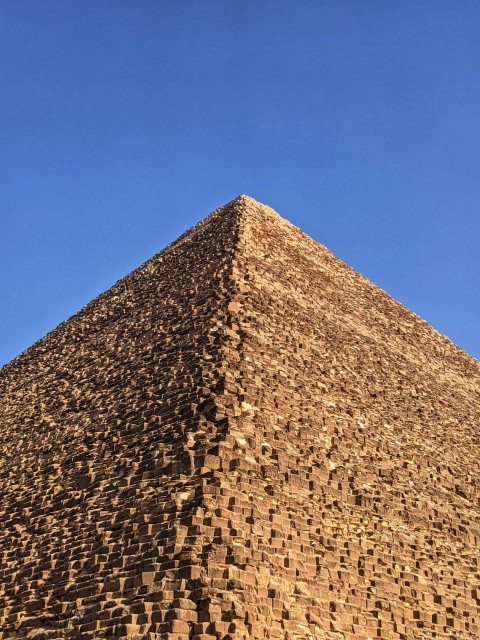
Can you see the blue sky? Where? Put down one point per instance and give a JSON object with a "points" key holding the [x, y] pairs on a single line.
{"points": [[124, 122]]}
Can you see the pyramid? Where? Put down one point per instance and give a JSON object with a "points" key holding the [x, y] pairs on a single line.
{"points": [[243, 438]]}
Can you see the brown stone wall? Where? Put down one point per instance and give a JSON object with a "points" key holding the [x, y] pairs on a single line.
{"points": [[242, 439], [108, 434], [350, 494]]}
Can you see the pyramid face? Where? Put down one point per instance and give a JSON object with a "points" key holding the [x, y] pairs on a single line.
{"points": [[244, 438]]}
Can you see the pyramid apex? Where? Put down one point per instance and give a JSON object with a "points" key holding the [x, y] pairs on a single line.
{"points": [[244, 199], [248, 206]]}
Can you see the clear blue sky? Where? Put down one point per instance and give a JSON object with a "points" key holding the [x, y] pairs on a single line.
{"points": [[123, 122]]}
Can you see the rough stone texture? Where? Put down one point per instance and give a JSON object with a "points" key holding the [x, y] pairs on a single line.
{"points": [[243, 438]]}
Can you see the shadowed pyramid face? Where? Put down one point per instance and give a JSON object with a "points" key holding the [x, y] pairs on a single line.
{"points": [[243, 438]]}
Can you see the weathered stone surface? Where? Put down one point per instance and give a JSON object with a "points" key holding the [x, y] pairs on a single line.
{"points": [[243, 438]]}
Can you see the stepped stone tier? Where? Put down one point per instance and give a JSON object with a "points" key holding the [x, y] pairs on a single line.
{"points": [[243, 438]]}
